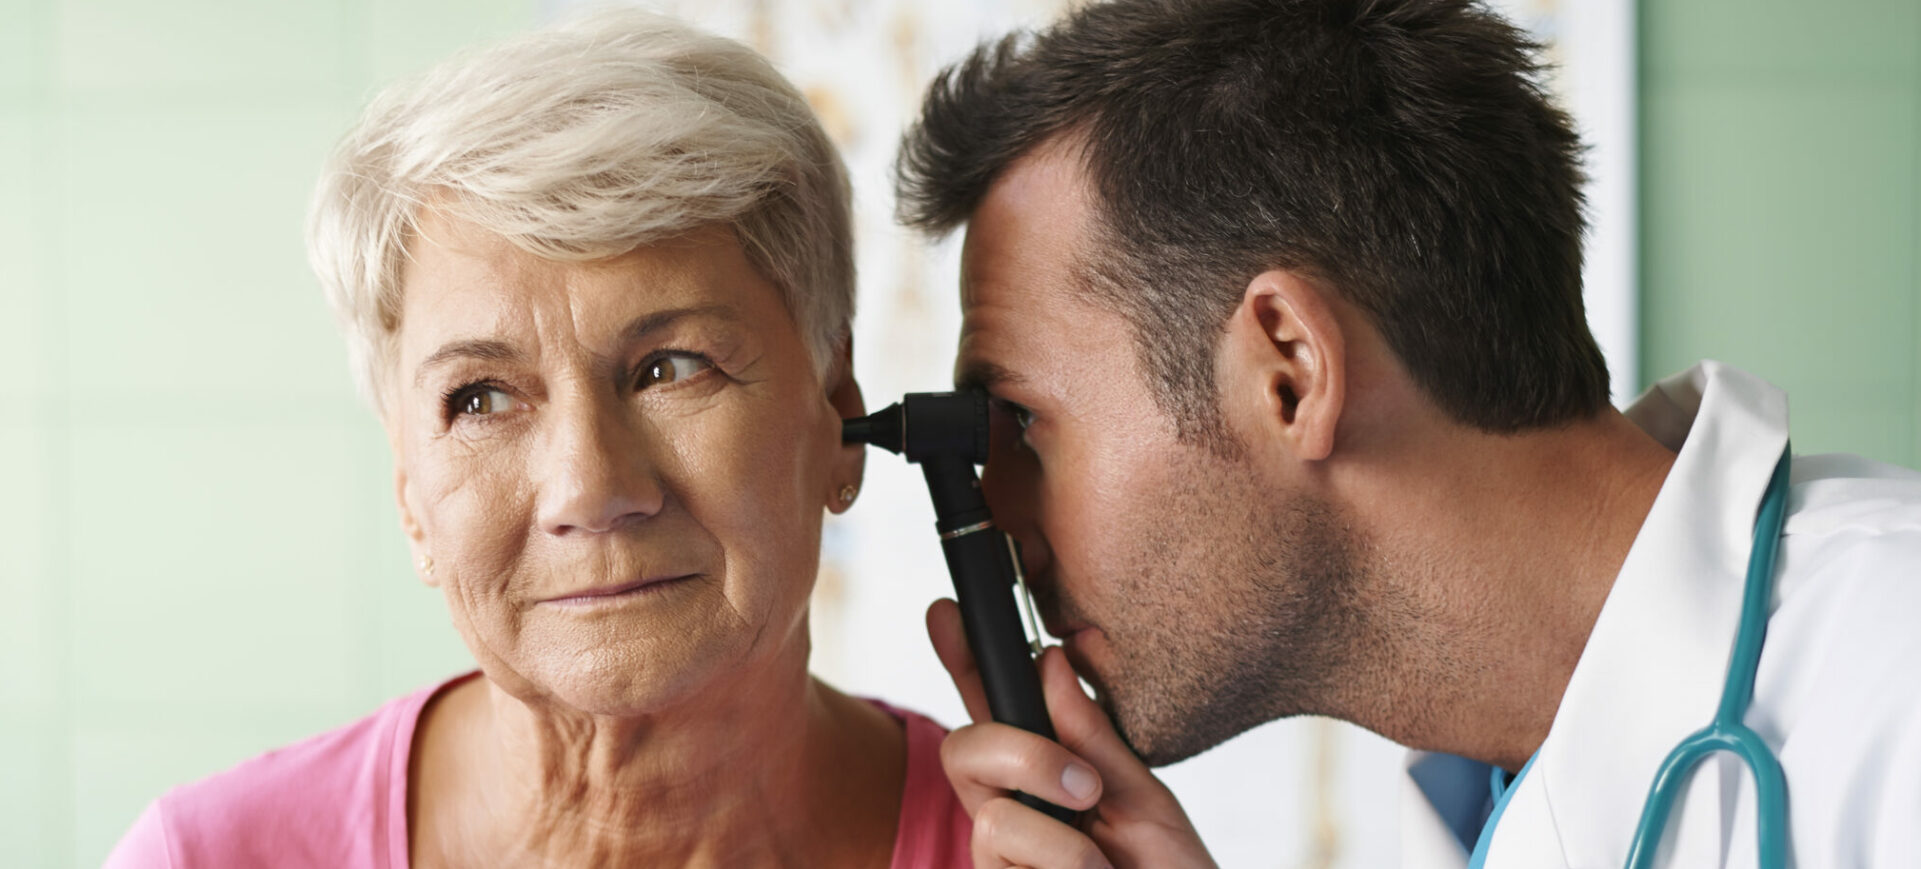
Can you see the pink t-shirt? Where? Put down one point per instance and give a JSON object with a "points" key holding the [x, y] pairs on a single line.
{"points": [[339, 801]]}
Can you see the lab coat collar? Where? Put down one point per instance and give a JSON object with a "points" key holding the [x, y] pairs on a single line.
{"points": [[1653, 667]]}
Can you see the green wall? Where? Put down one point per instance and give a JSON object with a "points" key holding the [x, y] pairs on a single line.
{"points": [[1781, 207], [198, 560]]}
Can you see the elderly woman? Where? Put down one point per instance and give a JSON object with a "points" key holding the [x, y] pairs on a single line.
{"points": [[597, 281]]}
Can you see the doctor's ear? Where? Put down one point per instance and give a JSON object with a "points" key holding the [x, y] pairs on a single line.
{"points": [[850, 462], [1284, 358]]}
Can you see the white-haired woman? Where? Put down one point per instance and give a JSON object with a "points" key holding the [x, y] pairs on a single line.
{"points": [[597, 282]]}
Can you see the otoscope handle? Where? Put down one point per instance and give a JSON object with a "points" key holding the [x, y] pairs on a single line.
{"points": [[947, 435], [986, 591], [981, 563]]}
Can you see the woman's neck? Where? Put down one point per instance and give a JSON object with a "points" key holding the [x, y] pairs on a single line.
{"points": [[772, 769]]}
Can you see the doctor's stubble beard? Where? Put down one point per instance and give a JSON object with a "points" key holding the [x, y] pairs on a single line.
{"points": [[1252, 606]]}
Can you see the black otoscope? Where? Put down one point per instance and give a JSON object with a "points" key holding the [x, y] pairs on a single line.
{"points": [[946, 434]]}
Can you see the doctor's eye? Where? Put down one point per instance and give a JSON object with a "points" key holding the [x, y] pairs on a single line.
{"points": [[669, 368], [1021, 416]]}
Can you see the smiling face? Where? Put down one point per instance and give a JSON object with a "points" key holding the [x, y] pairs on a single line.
{"points": [[617, 468], [1200, 595]]}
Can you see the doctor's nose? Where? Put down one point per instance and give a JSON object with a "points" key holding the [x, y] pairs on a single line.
{"points": [[599, 474]]}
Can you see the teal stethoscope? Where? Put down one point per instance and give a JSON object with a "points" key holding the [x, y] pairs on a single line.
{"points": [[1725, 732]]}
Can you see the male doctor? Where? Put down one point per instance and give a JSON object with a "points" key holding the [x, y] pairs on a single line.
{"points": [[1282, 300]]}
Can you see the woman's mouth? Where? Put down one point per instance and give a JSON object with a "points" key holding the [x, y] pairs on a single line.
{"points": [[607, 594]]}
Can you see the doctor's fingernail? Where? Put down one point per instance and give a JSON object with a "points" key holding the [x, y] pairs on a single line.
{"points": [[1079, 781]]}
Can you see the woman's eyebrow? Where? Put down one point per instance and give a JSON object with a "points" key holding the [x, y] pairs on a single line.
{"points": [[647, 324], [637, 330], [473, 348]]}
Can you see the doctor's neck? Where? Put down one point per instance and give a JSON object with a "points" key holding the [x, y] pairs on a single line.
{"points": [[1500, 551]]}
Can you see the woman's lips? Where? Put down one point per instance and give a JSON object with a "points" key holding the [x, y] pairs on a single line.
{"points": [[608, 593]]}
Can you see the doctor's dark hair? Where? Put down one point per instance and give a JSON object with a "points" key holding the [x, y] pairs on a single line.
{"points": [[1401, 152]]}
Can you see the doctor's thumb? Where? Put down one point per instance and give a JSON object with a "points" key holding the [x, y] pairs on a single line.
{"points": [[1083, 727]]}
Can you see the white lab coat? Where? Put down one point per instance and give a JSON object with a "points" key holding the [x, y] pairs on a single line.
{"points": [[1838, 694]]}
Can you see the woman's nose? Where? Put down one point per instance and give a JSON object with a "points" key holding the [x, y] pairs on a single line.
{"points": [[600, 476]]}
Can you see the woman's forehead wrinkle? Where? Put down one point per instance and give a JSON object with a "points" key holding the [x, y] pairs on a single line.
{"points": [[506, 305]]}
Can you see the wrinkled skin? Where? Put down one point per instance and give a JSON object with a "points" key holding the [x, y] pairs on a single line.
{"points": [[615, 473]]}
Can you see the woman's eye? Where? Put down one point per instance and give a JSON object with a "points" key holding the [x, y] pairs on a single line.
{"points": [[671, 368], [481, 402]]}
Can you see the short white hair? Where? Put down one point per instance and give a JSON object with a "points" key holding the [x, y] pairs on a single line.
{"points": [[612, 130]]}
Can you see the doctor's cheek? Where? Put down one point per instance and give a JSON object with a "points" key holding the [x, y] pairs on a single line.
{"points": [[1011, 483]]}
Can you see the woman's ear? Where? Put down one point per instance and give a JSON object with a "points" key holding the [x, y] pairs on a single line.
{"points": [[850, 462], [1284, 363], [416, 536]]}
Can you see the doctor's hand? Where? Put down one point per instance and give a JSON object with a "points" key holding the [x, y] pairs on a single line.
{"points": [[1129, 818]]}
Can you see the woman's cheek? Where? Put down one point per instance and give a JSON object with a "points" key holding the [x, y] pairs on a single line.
{"points": [[471, 502], [763, 465]]}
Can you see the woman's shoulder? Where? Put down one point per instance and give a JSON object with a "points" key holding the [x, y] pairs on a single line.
{"points": [[934, 827], [337, 799]]}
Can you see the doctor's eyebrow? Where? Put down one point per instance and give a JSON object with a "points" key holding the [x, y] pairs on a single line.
{"points": [[985, 375]]}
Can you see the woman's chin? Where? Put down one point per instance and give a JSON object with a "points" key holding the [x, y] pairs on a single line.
{"points": [[631, 654], [620, 680], [629, 667]]}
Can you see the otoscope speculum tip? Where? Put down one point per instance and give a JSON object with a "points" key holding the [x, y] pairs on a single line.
{"points": [[883, 428]]}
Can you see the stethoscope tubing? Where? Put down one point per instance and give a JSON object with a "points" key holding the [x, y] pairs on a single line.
{"points": [[1727, 732]]}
